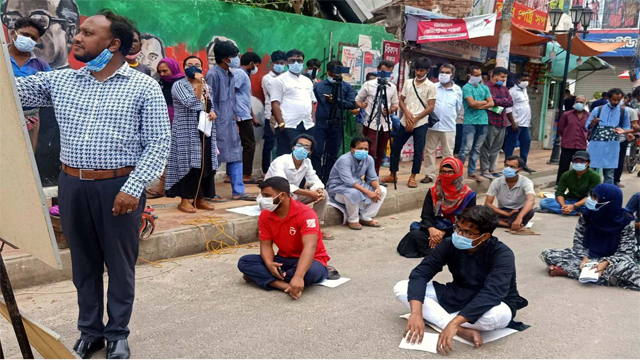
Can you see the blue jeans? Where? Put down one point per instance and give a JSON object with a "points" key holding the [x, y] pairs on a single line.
{"points": [[286, 136], [523, 135], [253, 266], [472, 139], [234, 169], [329, 135], [554, 205], [608, 175], [419, 137], [269, 141]]}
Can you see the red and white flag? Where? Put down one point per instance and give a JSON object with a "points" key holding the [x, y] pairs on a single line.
{"points": [[456, 29]]}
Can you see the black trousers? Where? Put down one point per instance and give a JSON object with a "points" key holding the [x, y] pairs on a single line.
{"points": [[248, 140], [565, 161], [269, 142], [623, 152], [96, 238]]}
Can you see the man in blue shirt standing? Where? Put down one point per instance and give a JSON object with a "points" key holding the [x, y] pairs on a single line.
{"points": [[326, 131], [605, 123], [244, 114], [24, 36]]}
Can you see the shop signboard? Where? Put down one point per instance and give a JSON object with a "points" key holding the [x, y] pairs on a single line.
{"points": [[630, 37], [456, 29], [525, 16], [457, 49]]}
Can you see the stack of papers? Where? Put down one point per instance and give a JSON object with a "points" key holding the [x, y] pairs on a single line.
{"points": [[589, 273], [429, 343]]}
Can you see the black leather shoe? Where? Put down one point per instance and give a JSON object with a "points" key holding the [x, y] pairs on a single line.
{"points": [[118, 349], [86, 349], [527, 169]]}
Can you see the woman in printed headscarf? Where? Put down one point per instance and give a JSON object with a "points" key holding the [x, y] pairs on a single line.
{"points": [[443, 203], [604, 236]]}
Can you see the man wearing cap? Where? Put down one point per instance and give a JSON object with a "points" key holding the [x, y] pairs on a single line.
{"points": [[573, 188]]}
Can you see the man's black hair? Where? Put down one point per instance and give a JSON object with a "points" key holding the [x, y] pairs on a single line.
{"points": [[307, 137], [333, 64], [635, 93], [278, 55], [615, 91], [605, 94], [313, 62], [514, 157], [371, 75], [500, 70], [27, 22], [121, 28], [294, 52], [482, 217], [448, 66], [223, 50], [250, 57], [523, 74], [277, 183], [359, 139], [184, 63], [473, 68], [386, 63], [422, 63], [567, 91], [148, 36]]}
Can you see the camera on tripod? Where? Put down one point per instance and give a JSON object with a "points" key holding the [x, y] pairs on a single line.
{"points": [[383, 77]]}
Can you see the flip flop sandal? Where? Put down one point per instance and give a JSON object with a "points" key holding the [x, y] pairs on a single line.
{"points": [[217, 199], [245, 197], [355, 226], [371, 223], [412, 183], [253, 181], [426, 180]]}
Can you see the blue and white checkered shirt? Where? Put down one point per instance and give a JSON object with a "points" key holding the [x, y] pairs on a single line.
{"points": [[119, 122]]}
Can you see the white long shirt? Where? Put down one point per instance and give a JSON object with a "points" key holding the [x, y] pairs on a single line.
{"points": [[283, 166], [267, 80], [296, 98], [448, 105], [521, 109]]}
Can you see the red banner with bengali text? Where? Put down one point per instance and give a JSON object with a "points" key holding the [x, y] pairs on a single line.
{"points": [[525, 17]]}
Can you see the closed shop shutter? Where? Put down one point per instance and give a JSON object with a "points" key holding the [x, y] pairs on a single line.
{"points": [[603, 80]]}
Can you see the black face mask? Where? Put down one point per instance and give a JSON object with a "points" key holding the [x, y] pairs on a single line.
{"points": [[192, 71]]}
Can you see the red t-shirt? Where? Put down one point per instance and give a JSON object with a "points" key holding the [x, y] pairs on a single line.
{"points": [[287, 233]]}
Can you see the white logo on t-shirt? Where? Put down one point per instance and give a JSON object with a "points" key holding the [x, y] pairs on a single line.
{"points": [[292, 231], [311, 223]]}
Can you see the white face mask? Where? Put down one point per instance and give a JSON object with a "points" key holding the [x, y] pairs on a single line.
{"points": [[444, 78], [254, 71], [474, 80], [267, 203], [523, 84], [24, 44]]}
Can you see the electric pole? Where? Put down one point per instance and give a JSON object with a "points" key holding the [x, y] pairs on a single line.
{"points": [[636, 65], [504, 42]]}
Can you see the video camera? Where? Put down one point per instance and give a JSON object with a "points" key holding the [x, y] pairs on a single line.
{"points": [[341, 69], [383, 77]]}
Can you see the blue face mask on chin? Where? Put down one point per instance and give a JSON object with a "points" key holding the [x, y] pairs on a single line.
{"points": [[300, 153], [100, 61], [360, 154], [462, 242]]}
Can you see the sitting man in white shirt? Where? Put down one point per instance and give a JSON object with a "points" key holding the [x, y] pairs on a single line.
{"points": [[297, 166]]}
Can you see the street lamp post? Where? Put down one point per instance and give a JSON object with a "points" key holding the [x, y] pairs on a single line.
{"points": [[579, 16]]}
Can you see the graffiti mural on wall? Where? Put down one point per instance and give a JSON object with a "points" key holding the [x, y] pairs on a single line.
{"points": [[175, 29]]}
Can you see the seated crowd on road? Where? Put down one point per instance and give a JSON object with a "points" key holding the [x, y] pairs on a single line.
{"points": [[181, 128]]}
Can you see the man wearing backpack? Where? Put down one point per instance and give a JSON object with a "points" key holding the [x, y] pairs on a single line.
{"points": [[605, 123]]}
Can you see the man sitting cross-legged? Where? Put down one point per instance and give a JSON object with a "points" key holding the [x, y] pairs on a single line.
{"points": [[482, 296], [302, 259]]}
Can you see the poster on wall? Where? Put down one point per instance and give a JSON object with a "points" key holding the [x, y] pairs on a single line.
{"points": [[391, 52], [456, 29], [360, 63]]}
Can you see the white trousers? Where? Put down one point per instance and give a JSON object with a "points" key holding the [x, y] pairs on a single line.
{"points": [[370, 211], [434, 138], [497, 317], [320, 207]]}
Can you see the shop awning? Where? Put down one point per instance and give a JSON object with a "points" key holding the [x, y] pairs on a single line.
{"points": [[519, 37], [589, 63], [580, 47]]}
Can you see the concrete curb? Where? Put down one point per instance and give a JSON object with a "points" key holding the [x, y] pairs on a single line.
{"points": [[25, 270]]}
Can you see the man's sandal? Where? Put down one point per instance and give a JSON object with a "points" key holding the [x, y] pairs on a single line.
{"points": [[371, 223], [355, 226]]}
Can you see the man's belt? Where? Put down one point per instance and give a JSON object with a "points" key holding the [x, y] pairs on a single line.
{"points": [[90, 174]]}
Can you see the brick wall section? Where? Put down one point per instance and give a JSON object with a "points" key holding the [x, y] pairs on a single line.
{"points": [[455, 8]]}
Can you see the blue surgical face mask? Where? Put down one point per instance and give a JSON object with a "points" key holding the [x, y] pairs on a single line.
{"points": [[593, 205], [578, 106], [296, 67], [579, 166], [331, 80], [100, 61], [279, 68], [235, 62], [24, 44], [499, 83], [300, 153], [360, 154], [463, 243], [509, 172]]}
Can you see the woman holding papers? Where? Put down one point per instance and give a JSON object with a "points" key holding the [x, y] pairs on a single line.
{"points": [[193, 159], [605, 238]]}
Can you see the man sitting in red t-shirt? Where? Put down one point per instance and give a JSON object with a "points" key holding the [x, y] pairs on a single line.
{"points": [[294, 228]]}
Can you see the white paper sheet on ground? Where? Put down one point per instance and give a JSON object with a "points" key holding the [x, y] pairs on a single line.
{"points": [[204, 124], [549, 195], [251, 210], [429, 344], [334, 283], [529, 225], [487, 336]]}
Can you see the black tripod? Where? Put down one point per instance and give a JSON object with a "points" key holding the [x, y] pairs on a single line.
{"points": [[380, 104], [336, 118]]}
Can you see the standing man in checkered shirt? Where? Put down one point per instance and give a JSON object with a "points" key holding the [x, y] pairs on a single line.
{"points": [[114, 137]]}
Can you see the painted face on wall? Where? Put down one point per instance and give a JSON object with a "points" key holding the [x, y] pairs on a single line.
{"points": [[151, 52], [60, 18], [211, 59]]}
